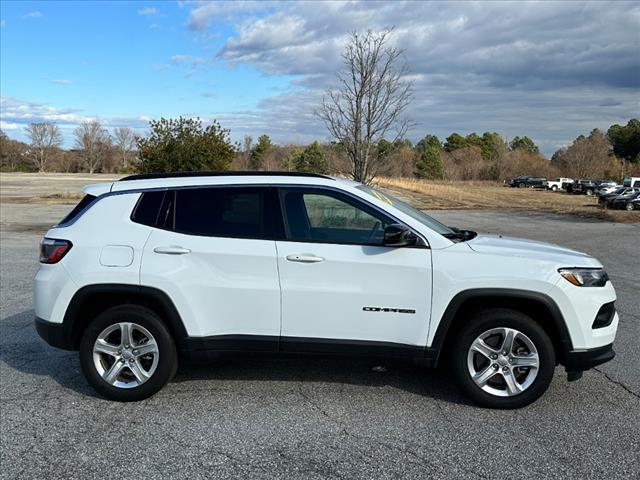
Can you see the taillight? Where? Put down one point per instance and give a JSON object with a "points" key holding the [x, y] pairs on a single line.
{"points": [[52, 250]]}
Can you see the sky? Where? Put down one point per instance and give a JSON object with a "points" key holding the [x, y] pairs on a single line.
{"points": [[549, 70]]}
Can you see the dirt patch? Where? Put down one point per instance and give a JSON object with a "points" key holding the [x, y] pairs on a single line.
{"points": [[52, 199], [39, 228]]}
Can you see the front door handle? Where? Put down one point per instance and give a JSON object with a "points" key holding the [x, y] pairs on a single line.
{"points": [[172, 250], [304, 258]]}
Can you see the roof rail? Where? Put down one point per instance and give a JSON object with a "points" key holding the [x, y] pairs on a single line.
{"points": [[147, 176]]}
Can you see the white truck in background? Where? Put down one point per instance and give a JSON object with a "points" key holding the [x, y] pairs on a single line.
{"points": [[633, 182], [558, 184]]}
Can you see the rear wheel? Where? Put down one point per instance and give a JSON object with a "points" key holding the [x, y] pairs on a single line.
{"points": [[589, 191], [521, 185], [554, 188], [630, 206], [127, 353], [503, 359]]}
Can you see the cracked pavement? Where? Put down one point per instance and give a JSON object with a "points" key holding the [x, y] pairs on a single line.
{"points": [[315, 418]]}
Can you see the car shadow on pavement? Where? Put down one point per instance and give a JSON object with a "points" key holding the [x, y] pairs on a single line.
{"points": [[24, 352]]}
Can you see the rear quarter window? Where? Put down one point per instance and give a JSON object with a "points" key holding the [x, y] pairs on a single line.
{"points": [[77, 210], [147, 209]]}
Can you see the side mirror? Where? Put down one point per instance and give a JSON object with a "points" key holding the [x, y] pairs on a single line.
{"points": [[396, 235]]}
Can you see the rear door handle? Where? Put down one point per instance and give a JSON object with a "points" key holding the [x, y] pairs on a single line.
{"points": [[172, 250], [304, 258]]}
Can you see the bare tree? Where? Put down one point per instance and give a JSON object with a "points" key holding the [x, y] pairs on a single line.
{"points": [[93, 141], [587, 157], [247, 144], [44, 139], [125, 141], [369, 101]]}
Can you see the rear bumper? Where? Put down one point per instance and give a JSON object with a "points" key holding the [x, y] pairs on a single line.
{"points": [[52, 333], [580, 360]]}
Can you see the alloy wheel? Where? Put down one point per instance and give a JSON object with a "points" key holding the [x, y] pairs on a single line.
{"points": [[125, 355], [503, 362]]}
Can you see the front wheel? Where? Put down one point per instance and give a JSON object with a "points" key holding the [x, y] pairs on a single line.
{"points": [[630, 206], [554, 188], [127, 353], [503, 359]]}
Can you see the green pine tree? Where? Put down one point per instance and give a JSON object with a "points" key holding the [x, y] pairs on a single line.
{"points": [[311, 160], [429, 164]]}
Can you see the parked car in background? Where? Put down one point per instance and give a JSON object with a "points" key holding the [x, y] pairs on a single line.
{"points": [[606, 198], [558, 184], [584, 187], [631, 182], [528, 181], [626, 202], [606, 184], [606, 189]]}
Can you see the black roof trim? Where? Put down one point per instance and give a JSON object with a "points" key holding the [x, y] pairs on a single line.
{"points": [[147, 176]]}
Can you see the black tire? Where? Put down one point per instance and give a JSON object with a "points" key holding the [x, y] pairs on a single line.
{"points": [[503, 318], [589, 191], [167, 357], [630, 206], [554, 188], [521, 185]]}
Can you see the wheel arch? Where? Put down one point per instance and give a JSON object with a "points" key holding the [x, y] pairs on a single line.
{"points": [[91, 300], [540, 307]]}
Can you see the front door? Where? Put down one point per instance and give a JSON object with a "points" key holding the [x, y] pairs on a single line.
{"points": [[340, 285]]}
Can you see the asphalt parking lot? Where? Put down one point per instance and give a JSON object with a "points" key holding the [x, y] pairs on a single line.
{"points": [[313, 418]]}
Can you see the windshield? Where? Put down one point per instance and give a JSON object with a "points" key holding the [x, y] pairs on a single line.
{"points": [[407, 209]]}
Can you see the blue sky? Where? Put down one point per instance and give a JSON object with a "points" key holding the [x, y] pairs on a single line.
{"points": [[547, 70]]}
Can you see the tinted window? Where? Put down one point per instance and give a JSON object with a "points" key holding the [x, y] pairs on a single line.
{"points": [[318, 216], [218, 212], [148, 208], [78, 209]]}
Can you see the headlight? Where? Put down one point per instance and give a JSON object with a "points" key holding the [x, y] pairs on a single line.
{"points": [[585, 277]]}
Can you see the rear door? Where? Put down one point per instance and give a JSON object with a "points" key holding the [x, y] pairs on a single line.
{"points": [[213, 252], [341, 287]]}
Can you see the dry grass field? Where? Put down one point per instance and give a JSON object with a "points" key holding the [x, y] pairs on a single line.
{"points": [[64, 189], [47, 188], [445, 195]]}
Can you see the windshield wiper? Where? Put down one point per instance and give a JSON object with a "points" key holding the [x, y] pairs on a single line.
{"points": [[460, 235]]}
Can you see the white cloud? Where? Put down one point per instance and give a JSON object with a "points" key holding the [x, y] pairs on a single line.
{"points": [[34, 14], [206, 13], [207, 94], [17, 113], [148, 11], [8, 125], [186, 59], [62, 82], [2, 23]]}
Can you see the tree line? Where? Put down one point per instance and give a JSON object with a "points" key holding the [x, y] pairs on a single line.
{"points": [[184, 144], [95, 149]]}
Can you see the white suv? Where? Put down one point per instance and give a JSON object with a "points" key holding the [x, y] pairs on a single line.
{"points": [[155, 266]]}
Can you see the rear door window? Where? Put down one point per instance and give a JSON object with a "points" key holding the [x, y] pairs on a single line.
{"points": [[234, 212]]}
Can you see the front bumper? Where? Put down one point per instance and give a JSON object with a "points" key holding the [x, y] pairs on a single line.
{"points": [[53, 333], [581, 360]]}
